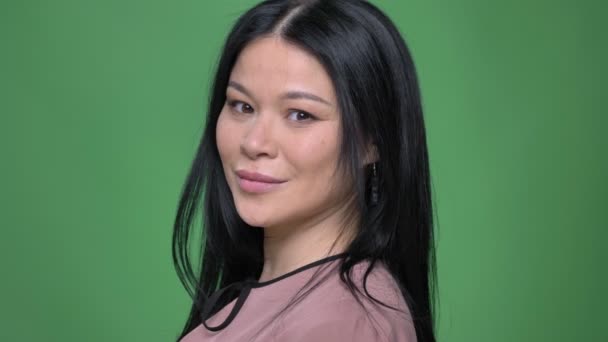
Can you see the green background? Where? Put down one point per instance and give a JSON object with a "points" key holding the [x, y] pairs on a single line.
{"points": [[103, 103]]}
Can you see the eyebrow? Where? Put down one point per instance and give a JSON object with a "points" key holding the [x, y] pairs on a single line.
{"points": [[294, 94]]}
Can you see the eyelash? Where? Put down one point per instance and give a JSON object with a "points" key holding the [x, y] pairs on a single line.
{"points": [[310, 117]]}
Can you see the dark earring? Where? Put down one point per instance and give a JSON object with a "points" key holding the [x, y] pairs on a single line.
{"points": [[374, 194]]}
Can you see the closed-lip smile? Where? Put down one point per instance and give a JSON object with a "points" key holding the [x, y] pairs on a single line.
{"points": [[257, 177], [256, 183]]}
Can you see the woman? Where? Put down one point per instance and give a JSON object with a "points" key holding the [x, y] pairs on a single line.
{"points": [[315, 175]]}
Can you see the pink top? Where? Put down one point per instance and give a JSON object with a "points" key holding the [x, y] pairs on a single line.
{"points": [[328, 313]]}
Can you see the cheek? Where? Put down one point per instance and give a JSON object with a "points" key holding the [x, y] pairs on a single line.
{"points": [[316, 157], [225, 144]]}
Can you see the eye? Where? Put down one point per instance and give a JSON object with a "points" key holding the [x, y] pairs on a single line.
{"points": [[298, 115], [245, 108]]}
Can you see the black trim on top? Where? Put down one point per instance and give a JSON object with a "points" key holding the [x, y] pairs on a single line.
{"points": [[244, 288], [299, 269]]}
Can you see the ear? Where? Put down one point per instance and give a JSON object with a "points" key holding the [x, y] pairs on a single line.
{"points": [[371, 154]]}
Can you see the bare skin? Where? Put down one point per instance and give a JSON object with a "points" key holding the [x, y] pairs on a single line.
{"points": [[293, 139]]}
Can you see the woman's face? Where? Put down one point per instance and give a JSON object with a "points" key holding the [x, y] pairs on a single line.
{"points": [[280, 120]]}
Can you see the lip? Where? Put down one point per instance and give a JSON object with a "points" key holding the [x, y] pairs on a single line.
{"points": [[257, 177], [254, 182]]}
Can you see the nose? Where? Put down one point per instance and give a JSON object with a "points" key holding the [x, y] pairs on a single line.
{"points": [[258, 140]]}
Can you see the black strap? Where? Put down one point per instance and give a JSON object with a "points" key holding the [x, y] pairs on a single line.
{"points": [[244, 288]]}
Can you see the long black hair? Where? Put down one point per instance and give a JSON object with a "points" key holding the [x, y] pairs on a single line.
{"points": [[379, 100]]}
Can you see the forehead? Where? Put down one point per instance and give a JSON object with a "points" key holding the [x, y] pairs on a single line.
{"points": [[271, 64]]}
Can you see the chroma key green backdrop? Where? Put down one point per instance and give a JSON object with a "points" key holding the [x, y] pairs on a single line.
{"points": [[103, 103]]}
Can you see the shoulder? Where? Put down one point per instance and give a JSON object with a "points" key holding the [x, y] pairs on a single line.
{"points": [[332, 313]]}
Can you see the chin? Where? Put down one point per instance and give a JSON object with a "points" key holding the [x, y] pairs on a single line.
{"points": [[254, 217], [256, 222]]}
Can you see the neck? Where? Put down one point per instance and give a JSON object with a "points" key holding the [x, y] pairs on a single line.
{"points": [[286, 249]]}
